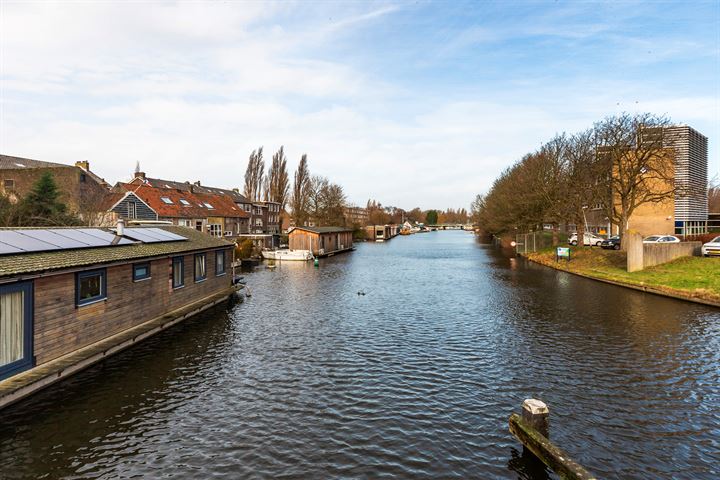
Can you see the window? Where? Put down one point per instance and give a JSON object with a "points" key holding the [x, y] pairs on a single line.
{"points": [[208, 205], [220, 262], [141, 271], [185, 223], [132, 210], [166, 200], [184, 202], [200, 267], [215, 229], [247, 207], [178, 272], [90, 286], [8, 184], [16, 328], [83, 178]]}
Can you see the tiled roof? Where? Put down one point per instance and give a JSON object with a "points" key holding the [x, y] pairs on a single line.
{"points": [[223, 205], [10, 162], [187, 186], [27, 263], [324, 229]]}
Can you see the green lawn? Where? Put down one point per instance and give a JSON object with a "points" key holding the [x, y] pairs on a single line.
{"points": [[696, 276]]}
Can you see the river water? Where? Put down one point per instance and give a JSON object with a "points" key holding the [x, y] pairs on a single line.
{"points": [[414, 379]]}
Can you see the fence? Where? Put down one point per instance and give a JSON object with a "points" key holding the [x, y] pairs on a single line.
{"points": [[534, 241]]}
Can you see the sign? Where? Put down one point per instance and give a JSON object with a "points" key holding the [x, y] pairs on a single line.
{"points": [[562, 252]]}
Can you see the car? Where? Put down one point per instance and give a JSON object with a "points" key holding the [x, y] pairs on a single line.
{"points": [[661, 239], [588, 239], [612, 243], [711, 248]]}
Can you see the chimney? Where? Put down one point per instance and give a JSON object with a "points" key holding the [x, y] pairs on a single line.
{"points": [[140, 175], [120, 230], [190, 187], [236, 190], [85, 165], [197, 183]]}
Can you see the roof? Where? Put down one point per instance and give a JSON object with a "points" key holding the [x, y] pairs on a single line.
{"points": [[16, 163], [111, 199], [324, 229], [195, 187], [27, 263], [196, 206]]}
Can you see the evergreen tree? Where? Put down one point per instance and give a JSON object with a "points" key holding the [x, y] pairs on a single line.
{"points": [[42, 205]]}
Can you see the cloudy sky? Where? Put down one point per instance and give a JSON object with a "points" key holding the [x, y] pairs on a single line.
{"points": [[413, 104]]}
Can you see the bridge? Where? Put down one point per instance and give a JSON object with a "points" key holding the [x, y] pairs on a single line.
{"points": [[452, 226]]}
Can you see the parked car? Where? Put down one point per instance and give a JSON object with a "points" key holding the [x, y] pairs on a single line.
{"points": [[588, 238], [612, 243], [661, 239], [712, 248]]}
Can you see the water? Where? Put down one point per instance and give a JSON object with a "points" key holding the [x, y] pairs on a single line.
{"points": [[414, 379]]}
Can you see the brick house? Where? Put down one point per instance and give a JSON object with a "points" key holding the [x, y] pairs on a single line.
{"points": [[81, 189]]}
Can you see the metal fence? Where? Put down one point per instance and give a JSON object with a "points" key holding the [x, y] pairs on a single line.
{"points": [[534, 241]]}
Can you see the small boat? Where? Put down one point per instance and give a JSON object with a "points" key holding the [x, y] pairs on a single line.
{"points": [[288, 255]]}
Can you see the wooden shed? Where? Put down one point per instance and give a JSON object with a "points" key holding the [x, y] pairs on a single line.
{"points": [[321, 241]]}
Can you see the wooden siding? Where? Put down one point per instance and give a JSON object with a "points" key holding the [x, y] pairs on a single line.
{"points": [[61, 327], [317, 242], [143, 211]]}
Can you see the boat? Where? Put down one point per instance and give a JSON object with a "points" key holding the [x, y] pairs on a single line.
{"points": [[288, 255]]}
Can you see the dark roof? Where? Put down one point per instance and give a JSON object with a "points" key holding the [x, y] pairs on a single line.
{"points": [[10, 162], [324, 229], [26, 263]]}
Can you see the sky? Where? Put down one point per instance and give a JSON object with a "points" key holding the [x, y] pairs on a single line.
{"points": [[409, 103]]}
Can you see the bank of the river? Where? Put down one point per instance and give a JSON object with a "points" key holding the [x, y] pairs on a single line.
{"points": [[695, 279]]}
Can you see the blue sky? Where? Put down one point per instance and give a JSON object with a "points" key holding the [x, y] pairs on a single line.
{"points": [[410, 103]]}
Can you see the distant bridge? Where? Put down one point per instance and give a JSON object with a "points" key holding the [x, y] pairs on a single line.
{"points": [[452, 226]]}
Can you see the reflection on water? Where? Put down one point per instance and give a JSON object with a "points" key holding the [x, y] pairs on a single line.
{"points": [[414, 379]]}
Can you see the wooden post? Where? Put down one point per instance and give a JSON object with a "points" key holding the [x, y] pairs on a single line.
{"points": [[537, 415]]}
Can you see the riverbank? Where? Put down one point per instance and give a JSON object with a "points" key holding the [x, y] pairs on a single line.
{"points": [[695, 279]]}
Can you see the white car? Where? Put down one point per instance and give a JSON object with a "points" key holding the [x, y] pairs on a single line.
{"points": [[588, 239], [712, 248], [661, 239]]}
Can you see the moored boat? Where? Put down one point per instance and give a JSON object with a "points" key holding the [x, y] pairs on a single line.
{"points": [[288, 255]]}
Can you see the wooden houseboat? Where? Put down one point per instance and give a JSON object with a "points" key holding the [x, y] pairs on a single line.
{"points": [[71, 296], [321, 241]]}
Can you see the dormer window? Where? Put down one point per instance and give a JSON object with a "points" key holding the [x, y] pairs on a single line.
{"points": [[166, 200]]}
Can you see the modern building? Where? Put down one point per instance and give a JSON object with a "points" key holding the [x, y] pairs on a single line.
{"points": [[71, 296], [356, 216]]}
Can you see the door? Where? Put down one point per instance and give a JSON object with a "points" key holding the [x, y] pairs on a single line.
{"points": [[16, 328]]}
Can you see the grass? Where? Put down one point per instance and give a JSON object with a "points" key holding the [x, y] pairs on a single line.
{"points": [[694, 277]]}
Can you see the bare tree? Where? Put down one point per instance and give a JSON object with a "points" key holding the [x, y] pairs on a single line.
{"points": [[254, 175], [277, 184], [714, 195], [639, 170], [301, 192]]}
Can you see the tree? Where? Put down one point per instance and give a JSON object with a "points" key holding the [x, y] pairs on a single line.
{"points": [[639, 170], [254, 175], [376, 213], [301, 192], [714, 195], [431, 217], [277, 183], [42, 205]]}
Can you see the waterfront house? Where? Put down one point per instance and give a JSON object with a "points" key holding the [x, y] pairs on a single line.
{"points": [[321, 241], [64, 292]]}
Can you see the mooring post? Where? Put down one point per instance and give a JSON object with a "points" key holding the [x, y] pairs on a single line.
{"points": [[536, 414]]}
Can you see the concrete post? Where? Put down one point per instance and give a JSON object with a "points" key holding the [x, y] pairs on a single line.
{"points": [[635, 253], [536, 414]]}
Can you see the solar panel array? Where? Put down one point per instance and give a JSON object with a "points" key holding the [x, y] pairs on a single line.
{"points": [[151, 235], [45, 240]]}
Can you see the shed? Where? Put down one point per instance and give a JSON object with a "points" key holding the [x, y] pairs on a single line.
{"points": [[321, 241]]}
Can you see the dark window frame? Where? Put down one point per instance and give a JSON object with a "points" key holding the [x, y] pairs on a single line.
{"points": [[135, 276], [181, 262], [9, 184], [103, 287], [195, 269], [218, 255], [28, 360]]}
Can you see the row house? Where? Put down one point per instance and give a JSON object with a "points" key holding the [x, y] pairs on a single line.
{"points": [[186, 205]]}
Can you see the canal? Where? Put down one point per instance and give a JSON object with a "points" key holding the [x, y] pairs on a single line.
{"points": [[414, 377]]}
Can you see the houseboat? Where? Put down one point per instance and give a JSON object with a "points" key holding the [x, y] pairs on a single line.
{"points": [[288, 255], [70, 297], [321, 241]]}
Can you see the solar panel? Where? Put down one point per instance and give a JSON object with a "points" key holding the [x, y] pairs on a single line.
{"points": [[55, 239], [151, 235], [5, 248], [23, 242]]}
